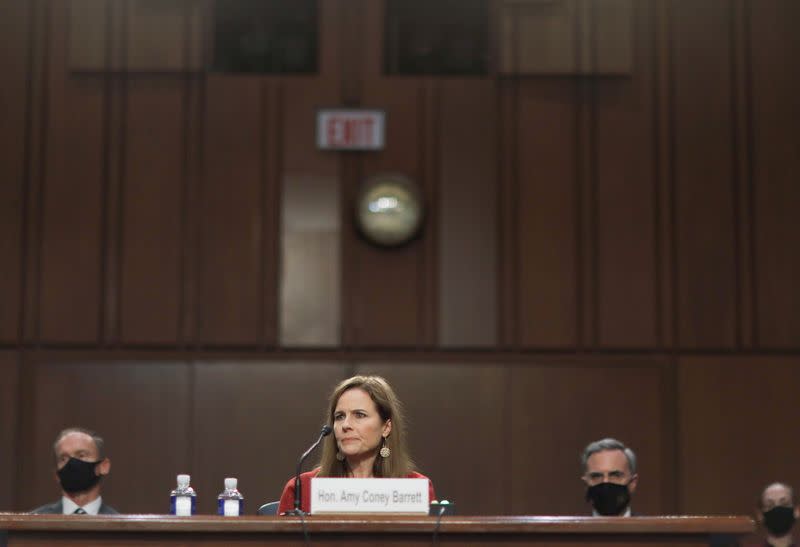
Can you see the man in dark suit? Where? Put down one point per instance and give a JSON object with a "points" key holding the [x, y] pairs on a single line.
{"points": [[777, 512], [80, 466], [609, 471]]}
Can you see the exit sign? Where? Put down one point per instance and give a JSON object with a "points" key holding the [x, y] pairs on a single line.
{"points": [[351, 129]]}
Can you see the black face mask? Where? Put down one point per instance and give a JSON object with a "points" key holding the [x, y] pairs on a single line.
{"points": [[78, 475], [608, 498], [779, 520]]}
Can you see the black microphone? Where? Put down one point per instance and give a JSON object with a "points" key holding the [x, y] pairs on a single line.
{"points": [[298, 491]]}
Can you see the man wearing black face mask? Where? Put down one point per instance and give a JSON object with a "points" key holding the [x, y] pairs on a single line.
{"points": [[609, 471], [777, 512], [80, 466]]}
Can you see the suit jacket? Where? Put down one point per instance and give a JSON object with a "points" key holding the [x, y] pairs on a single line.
{"points": [[57, 508]]}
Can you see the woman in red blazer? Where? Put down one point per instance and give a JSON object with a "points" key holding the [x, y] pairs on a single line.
{"points": [[368, 439]]}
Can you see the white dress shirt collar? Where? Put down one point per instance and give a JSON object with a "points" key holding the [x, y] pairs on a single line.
{"points": [[91, 508], [627, 513]]}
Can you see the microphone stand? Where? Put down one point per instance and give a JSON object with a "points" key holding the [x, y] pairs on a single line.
{"points": [[298, 490]]}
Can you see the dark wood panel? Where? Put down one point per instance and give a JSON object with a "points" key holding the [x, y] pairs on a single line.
{"points": [[457, 424], [9, 427], [546, 210], [467, 248], [667, 302], [775, 46], [298, 101], [366, 25], [579, 219], [232, 212], [88, 32], [508, 221], [742, 152], [340, 539], [735, 430], [625, 207], [385, 288], [703, 171], [15, 67], [165, 36], [385, 295], [331, 60], [569, 37], [537, 39], [557, 408], [389, 530], [72, 206], [152, 219], [194, 94], [35, 166], [586, 226], [141, 409], [611, 37], [252, 421], [116, 114], [376, 280], [157, 36]]}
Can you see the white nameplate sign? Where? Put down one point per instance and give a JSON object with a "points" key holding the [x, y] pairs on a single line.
{"points": [[343, 495]]}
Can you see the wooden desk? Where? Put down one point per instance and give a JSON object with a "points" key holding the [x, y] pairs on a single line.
{"points": [[213, 531]]}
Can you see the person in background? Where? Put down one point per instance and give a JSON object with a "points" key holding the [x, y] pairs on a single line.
{"points": [[80, 466], [368, 439], [609, 472], [777, 512]]}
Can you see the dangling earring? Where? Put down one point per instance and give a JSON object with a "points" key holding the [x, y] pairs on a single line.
{"points": [[339, 456], [385, 450]]}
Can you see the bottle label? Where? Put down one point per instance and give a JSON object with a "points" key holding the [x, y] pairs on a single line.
{"points": [[183, 506], [231, 508]]}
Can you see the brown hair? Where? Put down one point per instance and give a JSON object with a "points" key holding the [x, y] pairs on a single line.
{"points": [[398, 464]]}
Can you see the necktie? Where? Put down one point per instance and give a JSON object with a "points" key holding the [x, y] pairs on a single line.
{"points": [[79, 511]]}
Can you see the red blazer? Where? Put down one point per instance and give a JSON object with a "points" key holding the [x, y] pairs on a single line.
{"points": [[287, 497]]}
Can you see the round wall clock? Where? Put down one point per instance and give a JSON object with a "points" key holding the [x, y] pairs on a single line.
{"points": [[389, 209]]}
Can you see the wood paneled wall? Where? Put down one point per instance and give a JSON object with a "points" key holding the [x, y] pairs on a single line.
{"points": [[651, 211], [602, 255]]}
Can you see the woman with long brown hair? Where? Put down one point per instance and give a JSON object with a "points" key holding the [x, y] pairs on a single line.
{"points": [[368, 438]]}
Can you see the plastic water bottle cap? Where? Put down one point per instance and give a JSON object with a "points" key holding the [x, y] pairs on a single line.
{"points": [[183, 480], [230, 483]]}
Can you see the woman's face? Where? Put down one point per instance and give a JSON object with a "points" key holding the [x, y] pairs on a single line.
{"points": [[357, 425]]}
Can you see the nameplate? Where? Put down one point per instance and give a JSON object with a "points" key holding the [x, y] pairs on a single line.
{"points": [[344, 495]]}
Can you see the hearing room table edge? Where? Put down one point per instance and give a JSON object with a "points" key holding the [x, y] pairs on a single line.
{"points": [[24, 529]]}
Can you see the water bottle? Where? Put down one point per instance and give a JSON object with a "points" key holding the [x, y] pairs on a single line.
{"points": [[230, 502], [183, 500]]}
